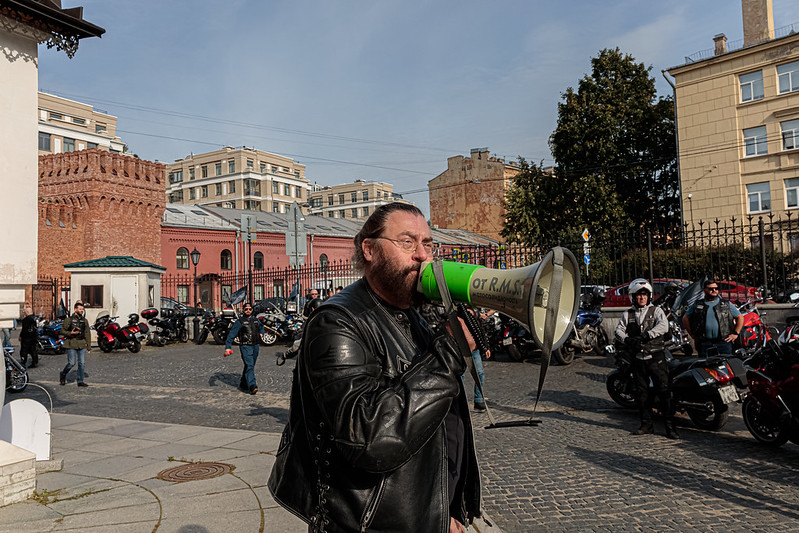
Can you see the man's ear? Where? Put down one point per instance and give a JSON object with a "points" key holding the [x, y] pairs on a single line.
{"points": [[367, 245]]}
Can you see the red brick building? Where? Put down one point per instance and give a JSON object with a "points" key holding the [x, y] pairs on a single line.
{"points": [[93, 204]]}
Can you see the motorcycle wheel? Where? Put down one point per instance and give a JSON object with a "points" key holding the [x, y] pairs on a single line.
{"points": [[514, 352], [762, 427], [158, 340], [17, 381], [601, 342], [268, 338], [564, 355], [134, 346], [184, 335], [201, 338], [714, 420], [104, 345], [621, 390]]}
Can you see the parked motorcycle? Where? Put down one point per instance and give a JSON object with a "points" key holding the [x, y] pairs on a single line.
{"points": [[771, 406], [702, 388], [171, 327], [16, 373], [112, 336], [755, 334], [205, 326], [516, 340], [220, 325], [48, 336], [587, 335]]}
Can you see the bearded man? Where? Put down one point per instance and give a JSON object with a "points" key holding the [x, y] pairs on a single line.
{"points": [[379, 437]]}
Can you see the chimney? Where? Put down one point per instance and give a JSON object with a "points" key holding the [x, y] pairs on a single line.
{"points": [[758, 17], [721, 44]]}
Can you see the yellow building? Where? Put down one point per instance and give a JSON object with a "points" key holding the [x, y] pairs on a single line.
{"points": [[238, 178], [738, 122], [469, 195], [355, 201], [68, 126]]}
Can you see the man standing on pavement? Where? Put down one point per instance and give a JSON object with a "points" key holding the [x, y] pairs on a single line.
{"points": [[713, 321], [249, 330], [642, 329], [379, 436], [27, 339], [311, 303], [78, 342]]}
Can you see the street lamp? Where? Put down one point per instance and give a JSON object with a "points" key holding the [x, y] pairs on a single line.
{"points": [[195, 258]]}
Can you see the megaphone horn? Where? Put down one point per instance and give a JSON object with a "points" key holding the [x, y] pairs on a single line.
{"points": [[526, 294]]}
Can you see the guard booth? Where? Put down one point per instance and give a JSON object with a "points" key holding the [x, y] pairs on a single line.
{"points": [[119, 285]]}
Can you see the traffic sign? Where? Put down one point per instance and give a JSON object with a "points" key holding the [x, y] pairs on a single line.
{"points": [[586, 235], [587, 259], [586, 248]]}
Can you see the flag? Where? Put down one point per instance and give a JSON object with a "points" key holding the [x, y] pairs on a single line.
{"points": [[61, 312], [238, 296], [294, 290]]}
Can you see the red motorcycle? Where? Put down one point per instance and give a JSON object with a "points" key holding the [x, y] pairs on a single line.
{"points": [[755, 333], [771, 407], [111, 336]]}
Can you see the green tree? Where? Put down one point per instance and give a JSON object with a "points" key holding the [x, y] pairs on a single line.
{"points": [[615, 159]]}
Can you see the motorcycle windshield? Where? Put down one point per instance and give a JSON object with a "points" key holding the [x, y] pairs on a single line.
{"points": [[688, 296]]}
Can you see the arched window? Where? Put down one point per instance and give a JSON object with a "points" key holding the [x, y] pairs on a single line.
{"points": [[182, 259], [258, 261], [226, 260], [323, 262]]}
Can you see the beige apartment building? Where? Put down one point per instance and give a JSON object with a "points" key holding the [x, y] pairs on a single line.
{"points": [[355, 201], [738, 123], [469, 195], [238, 178], [68, 126]]}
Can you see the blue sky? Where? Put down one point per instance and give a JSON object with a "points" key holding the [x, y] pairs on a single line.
{"points": [[375, 90]]}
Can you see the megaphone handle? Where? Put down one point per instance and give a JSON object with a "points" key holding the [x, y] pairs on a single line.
{"points": [[457, 330]]}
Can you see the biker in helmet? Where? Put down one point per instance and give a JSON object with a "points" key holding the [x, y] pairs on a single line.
{"points": [[641, 330]]}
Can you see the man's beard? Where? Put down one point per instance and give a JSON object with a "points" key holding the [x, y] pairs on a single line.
{"points": [[394, 279]]}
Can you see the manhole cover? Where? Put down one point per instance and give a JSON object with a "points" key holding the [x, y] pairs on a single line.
{"points": [[194, 472]]}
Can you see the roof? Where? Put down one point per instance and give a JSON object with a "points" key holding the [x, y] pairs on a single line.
{"points": [[114, 261], [194, 216], [279, 222], [69, 20]]}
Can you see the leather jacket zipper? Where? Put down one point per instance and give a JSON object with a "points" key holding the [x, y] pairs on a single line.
{"points": [[371, 507]]}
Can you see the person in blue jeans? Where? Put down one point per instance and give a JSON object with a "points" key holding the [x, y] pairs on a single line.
{"points": [[477, 356], [78, 342], [713, 321], [248, 329]]}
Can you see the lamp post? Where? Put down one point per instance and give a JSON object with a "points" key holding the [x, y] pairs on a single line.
{"points": [[195, 258]]}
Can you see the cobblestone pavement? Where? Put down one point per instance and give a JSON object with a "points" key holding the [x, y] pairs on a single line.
{"points": [[579, 470]]}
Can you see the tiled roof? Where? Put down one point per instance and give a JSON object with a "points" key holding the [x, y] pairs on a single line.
{"points": [[113, 261]]}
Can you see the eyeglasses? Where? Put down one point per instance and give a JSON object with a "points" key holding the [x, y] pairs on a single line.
{"points": [[248, 308], [410, 245], [712, 288]]}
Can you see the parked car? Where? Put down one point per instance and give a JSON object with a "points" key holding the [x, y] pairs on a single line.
{"points": [[735, 292], [618, 296]]}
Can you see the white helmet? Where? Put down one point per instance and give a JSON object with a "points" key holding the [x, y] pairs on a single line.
{"points": [[637, 285]]}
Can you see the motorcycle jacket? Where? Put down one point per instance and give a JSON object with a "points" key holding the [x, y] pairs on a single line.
{"points": [[247, 330], [80, 340], [653, 325], [723, 315], [365, 447]]}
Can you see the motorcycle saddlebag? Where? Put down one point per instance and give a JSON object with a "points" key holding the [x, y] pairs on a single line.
{"points": [[144, 329], [150, 312]]}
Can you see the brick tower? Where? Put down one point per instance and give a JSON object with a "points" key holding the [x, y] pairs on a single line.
{"points": [[94, 203]]}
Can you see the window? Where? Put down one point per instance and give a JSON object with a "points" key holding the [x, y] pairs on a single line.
{"points": [[91, 145], [329, 199], [354, 212], [226, 291], [191, 194], [275, 187], [183, 294], [274, 169], [342, 214], [275, 207], [205, 171], [176, 196], [286, 189], [330, 214], [751, 86], [219, 189], [182, 258], [218, 169], [176, 177], [788, 77], [231, 167], [297, 192], [755, 141], [44, 141], [253, 205], [316, 202], [258, 292], [277, 287], [79, 121], [354, 197], [790, 134], [263, 168], [205, 191], [226, 260], [191, 173], [365, 196], [69, 144], [56, 116], [366, 211], [792, 192], [231, 187], [759, 197], [258, 261], [99, 128], [249, 164], [91, 295]]}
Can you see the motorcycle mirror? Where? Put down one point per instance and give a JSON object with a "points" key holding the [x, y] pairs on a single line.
{"points": [[740, 353]]}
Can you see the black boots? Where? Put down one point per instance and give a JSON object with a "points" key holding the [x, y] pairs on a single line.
{"points": [[671, 430], [645, 429]]}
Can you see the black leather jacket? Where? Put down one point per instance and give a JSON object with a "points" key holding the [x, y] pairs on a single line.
{"points": [[365, 447]]}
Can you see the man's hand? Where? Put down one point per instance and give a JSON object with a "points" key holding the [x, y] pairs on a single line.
{"points": [[488, 354], [227, 352], [455, 526]]}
